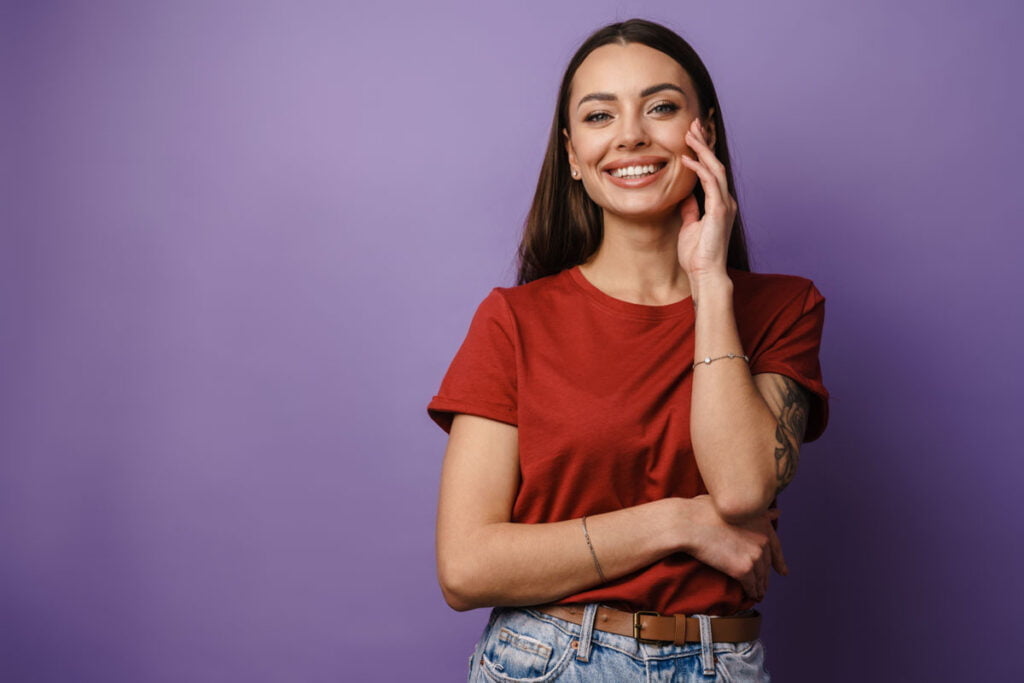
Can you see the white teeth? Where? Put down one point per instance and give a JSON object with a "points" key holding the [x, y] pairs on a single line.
{"points": [[635, 171]]}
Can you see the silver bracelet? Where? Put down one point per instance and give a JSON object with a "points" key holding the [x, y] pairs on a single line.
{"points": [[709, 360], [597, 565]]}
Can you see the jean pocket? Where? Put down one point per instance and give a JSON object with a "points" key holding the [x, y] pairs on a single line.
{"points": [[742, 662], [520, 647]]}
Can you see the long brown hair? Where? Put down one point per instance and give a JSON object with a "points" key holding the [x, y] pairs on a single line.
{"points": [[565, 227]]}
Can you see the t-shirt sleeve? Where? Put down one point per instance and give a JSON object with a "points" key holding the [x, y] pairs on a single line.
{"points": [[791, 348], [481, 379]]}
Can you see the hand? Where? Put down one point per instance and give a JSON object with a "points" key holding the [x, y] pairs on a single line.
{"points": [[746, 552], [704, 242]]}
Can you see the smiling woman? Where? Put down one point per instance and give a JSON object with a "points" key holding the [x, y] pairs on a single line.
{"points": [[565, 223], [604, 126], [621, 421]]}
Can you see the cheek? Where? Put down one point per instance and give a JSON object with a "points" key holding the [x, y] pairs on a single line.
{"points": [[590, 154], [587, 146], [674, 142], [672, 134], [684, 185]]}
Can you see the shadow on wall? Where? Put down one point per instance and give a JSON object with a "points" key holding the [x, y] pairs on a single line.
{"points": [[863, 543]]}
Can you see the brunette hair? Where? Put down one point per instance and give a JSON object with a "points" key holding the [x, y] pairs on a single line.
{"points": [[564, 226]]}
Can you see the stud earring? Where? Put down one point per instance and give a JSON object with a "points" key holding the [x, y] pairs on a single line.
{"points": [[575, 173]]}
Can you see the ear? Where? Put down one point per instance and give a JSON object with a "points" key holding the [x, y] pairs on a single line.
{"points": [[569, 149], [709, 126]]}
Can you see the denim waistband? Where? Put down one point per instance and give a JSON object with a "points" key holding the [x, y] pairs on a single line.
{"points": [[586, 635]]}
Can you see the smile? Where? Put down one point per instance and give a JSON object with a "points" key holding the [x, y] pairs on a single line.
{"points": [[636, 171], [639, 175]]}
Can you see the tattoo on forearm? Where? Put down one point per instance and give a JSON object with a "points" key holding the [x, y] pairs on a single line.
{"points": [[790, 430]]}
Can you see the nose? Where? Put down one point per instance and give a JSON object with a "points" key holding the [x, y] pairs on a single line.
{"points": [[631, 134]]}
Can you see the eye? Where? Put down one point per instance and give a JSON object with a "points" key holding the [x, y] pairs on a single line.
{"points": [[665, 108], [596, 117]]}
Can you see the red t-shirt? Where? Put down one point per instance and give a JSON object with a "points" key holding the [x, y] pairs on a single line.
{"points": [[600, 389]]}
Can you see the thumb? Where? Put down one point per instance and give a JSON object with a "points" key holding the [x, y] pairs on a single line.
{"points": [[689, 210]]}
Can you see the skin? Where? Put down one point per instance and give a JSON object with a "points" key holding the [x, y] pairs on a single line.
{"points": [[603, 131], [656, 250]]}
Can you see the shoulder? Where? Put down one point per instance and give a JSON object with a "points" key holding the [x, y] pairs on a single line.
{"points": [[776, 285], [769, 300], [509, 308], [535, 296], [774, 290]]}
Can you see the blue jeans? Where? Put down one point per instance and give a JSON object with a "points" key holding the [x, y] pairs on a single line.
{"points": [[522, 644]]}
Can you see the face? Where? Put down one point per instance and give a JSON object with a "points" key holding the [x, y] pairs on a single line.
{"points": [[629, 108]]}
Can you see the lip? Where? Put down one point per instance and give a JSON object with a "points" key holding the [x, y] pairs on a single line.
{"points": [[635, 161]]}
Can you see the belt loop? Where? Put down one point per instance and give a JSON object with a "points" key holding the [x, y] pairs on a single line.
{"points": [[586, 631], [679, 629], [707, 652]]}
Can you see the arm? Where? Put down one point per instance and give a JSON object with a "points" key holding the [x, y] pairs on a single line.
{"points": [[789, 403], [483, 559], [746, 430]]}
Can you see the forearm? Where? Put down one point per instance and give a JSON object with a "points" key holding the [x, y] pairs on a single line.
{"points": [[528, 564], [732, 429]]}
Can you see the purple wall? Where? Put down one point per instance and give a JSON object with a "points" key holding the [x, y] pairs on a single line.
{"points": [[241, 243]]}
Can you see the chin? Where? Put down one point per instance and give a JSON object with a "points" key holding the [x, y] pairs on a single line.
{"points": [[648, 214]]}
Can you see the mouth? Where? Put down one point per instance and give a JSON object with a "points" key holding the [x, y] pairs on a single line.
{"points": [[634, 172], [636, 176]]}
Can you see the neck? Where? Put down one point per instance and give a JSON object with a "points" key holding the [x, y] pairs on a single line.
{"points": [[638, 261]]}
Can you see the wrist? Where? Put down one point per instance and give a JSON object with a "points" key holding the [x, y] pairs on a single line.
{"points": [[683, 514], [711, 286]]}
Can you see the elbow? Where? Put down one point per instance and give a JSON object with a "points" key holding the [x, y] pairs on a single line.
{"points": [[457, 585], [457, 600], [740, 507], [747, 493]]}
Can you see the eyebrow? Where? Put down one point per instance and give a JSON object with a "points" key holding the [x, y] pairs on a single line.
{"points": [[609, 97]]}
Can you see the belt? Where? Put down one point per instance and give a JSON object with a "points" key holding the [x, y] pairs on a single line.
{"points": [[651, 627]]}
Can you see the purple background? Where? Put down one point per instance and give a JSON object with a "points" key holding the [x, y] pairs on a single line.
{"points": [[241, 243]]}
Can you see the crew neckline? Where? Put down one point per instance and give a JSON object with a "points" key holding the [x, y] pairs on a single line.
{"points": [[673, 310]]}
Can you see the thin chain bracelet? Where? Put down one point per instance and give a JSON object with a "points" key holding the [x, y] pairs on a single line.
{"points": [[597, 565], [709, 360]]}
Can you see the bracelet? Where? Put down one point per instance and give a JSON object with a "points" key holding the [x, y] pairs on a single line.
{"points": [[709, 360], [597, 565]]}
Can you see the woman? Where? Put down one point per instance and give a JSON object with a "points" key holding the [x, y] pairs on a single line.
{"points": [[621, 421]]}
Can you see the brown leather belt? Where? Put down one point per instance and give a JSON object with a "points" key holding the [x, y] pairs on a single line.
{"points": [[651, 627]]}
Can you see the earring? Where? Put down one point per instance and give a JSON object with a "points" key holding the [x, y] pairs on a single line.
{"points": [[575, 173]]}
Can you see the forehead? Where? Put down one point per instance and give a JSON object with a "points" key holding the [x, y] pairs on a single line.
{"points": [[625, 70]]}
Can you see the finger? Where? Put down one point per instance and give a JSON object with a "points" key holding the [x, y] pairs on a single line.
{"points": [[697, 130], [766, 567], [713, 203], [749, 583], [758, 571], [705, 152], [707, 155], [778, 559]]}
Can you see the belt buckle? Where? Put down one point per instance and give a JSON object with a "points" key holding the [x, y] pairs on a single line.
{"points": [[636, 627]]}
